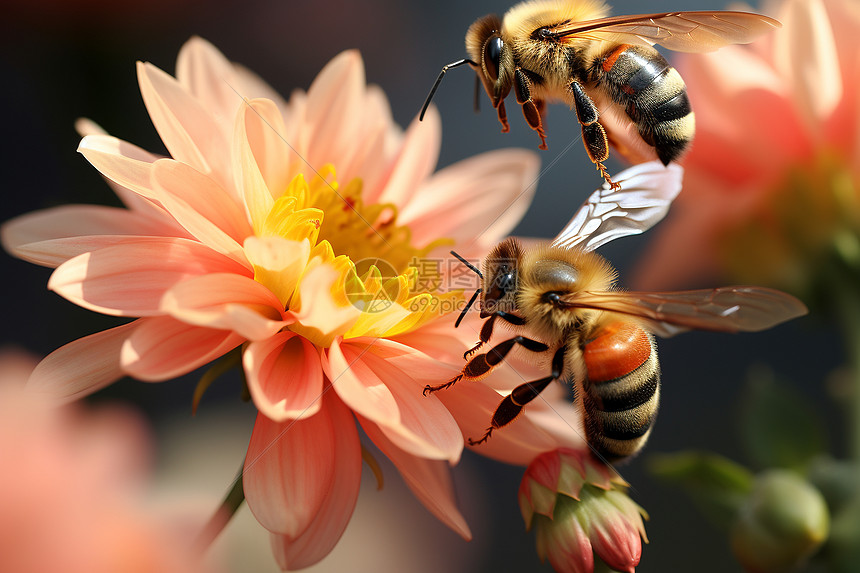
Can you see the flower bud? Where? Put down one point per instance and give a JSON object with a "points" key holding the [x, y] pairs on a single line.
{"points": [[782, 522], [579, 507]]}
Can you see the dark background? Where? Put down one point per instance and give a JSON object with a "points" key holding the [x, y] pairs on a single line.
{"points": [[61, 61]]}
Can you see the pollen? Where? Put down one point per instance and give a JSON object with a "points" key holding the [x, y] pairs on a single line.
{"points": [[378, 282]]}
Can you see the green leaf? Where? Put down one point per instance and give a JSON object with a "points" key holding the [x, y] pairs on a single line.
{"points": [[717, 485], [777, 426]]}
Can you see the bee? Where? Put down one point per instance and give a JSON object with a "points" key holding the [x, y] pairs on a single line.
{"points": [[624, 93], [563, 304]]}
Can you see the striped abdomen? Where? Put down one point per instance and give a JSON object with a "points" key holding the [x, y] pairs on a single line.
{"points": [[621, 390], [652, 93]]}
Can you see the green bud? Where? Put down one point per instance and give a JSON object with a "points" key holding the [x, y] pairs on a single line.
{"points": [[782, 522]]}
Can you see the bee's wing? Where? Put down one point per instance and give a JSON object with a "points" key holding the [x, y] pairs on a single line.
{"points": [[646, 192], [726, 309], [680, 31]]}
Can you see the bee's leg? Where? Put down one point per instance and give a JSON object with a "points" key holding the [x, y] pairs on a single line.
{"points": [[532, 109], [487, 329], [513, 404], [481, 365], [503, 116], [593, 135]]}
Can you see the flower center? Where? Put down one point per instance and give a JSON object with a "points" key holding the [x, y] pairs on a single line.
{"points": [[812, 212], [344, 267]]}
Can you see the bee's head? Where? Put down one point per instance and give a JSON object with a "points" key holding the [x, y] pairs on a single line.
{"points": [[486, 47], [499, 289]]}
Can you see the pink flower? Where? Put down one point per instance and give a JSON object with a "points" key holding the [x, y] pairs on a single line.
{"points": [[71, 496], [772, 179], [579, 508], [289, 232]]}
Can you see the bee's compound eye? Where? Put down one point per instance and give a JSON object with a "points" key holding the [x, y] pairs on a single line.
{"points": [[505, 281], [493, 56]]}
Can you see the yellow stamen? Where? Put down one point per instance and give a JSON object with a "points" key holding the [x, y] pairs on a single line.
{"points": [[360, 261]]}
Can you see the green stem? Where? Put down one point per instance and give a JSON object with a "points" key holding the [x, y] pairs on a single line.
{"points": [[219, 520]]}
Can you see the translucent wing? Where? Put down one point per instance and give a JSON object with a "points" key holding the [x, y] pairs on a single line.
{"points": [[646, 192], [680, 31], [726, 309]]}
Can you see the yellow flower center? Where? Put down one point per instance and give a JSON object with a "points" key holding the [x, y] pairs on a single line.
{"points": [[344, 267]]}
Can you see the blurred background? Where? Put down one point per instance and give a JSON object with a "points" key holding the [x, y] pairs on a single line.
{"points": [[65, 60]]}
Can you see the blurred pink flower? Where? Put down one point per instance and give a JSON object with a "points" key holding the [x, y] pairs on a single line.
{"points": [[579, 508], [246, 238], [71, 492], [772, 180]]}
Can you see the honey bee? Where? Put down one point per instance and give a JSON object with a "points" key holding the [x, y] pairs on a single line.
{"points": [[562, 303], [623, 92]]}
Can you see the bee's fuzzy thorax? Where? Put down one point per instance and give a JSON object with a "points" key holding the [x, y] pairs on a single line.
{"points": [[545, 269], [594, 273], [521, 20]]}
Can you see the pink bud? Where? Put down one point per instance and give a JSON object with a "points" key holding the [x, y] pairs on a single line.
{"points": [[579, 507]]}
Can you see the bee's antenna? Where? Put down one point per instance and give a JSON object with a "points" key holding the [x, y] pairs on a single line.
{"points": [[467, 307], [445, 69], [474, 269]]}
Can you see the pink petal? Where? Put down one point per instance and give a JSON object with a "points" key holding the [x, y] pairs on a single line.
{"points": [[284, 376], [219, 84], [418, 155], [473, 405], [256, 193], [730, 72], [616, 541], [333, 516], [206, 74], [200, 205], [383, 381], [806, 55], [554, 414], [302, 477], [130, 198], [55, 252], [334, 111], [441, 340], [845, 20], [121, 162], [381, 138], [368, 164], [323, 314], [484, 195], [130, 279], [227, 301], [269, 141], [429, 480], [278, 263], [22, 234], [359, 388], [83, 366], [188, 131], [163, 347]]}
